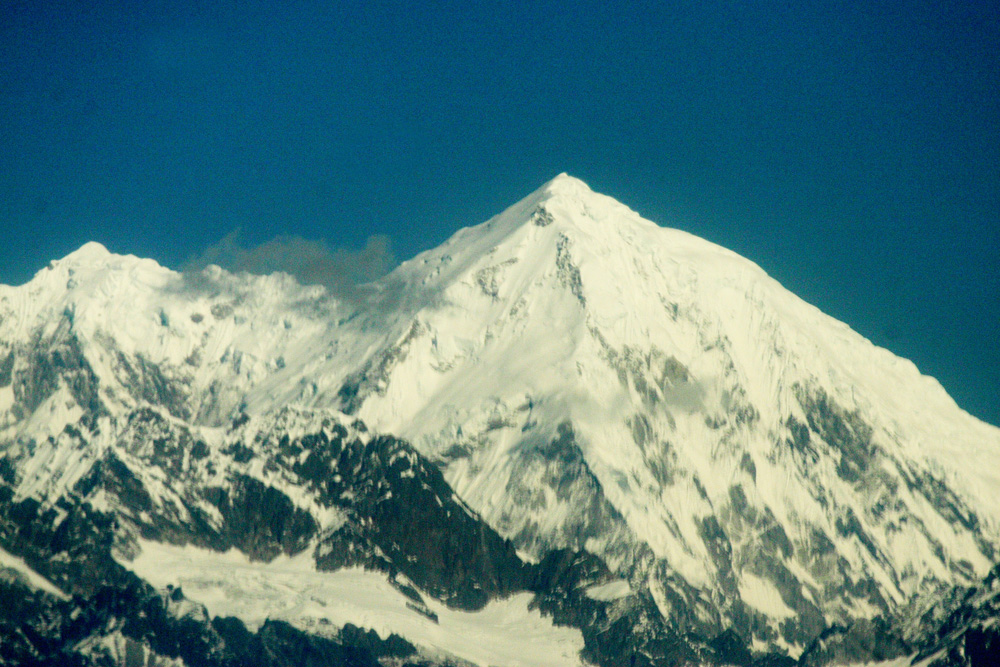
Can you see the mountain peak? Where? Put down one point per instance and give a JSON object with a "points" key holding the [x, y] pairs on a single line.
{"points": [[87, 253], [572, 195], [566, 200], [90, 249], [564, 184]]}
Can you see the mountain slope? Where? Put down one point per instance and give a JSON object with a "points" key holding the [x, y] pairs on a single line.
{"points": [[585, 380], [592, 380]]}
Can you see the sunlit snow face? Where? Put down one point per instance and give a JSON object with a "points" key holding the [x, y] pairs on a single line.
{"points": [[290, 589]]}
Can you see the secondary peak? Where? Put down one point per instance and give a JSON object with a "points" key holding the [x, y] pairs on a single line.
{"points": [[88, 252]]}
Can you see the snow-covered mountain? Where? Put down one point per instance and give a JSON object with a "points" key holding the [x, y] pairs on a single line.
{"points": [[738, 464]]}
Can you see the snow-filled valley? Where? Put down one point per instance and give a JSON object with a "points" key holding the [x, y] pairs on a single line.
{"points": [[229, 584]]}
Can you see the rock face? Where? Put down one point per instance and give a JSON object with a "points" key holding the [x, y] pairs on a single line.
{"points": [[131, 625], [638, 430], [298, 482]]}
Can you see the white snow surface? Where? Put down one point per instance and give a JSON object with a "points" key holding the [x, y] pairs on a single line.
{"points": [[27, 574], [292, 590], [906, 661], [762, 595], [677, 363], [613, 590]]}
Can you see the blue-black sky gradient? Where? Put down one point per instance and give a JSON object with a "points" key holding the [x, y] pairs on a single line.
{"points": [[852, 151]]}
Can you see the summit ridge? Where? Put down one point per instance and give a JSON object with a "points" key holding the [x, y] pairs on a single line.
{"points": [[565, 184]]}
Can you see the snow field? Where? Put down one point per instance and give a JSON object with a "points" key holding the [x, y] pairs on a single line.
{"points": [[504, 633]]}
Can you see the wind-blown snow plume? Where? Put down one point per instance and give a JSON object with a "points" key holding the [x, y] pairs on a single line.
{"points": [[310, 262]]}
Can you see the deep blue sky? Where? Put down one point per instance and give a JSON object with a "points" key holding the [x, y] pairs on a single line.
{"points": [[852, 151]]}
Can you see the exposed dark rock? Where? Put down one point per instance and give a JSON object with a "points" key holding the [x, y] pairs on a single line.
{"points": [[843, 430], [488, 277], [49, 361], [402, 505], [969, 636], [145, 381], [799, 438], [284, 645], [6, 370], [774, 660], [400, 517], [616, 633], [117, 478], [721, 551], [658, 378], [947, 503], [392, 646], [981, 646], [729, 648], [569, 274], [542, 217], [261, 521], [561, 466], [39, 629], [863, 641]]}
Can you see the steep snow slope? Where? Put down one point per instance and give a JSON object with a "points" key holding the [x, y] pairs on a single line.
{"points": [[586, 379]]}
